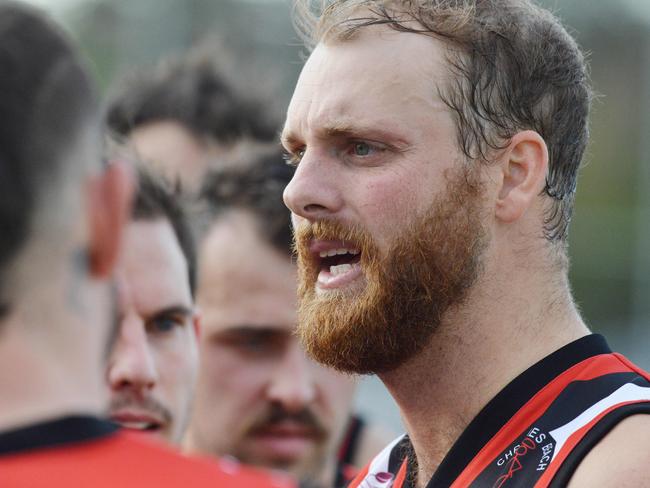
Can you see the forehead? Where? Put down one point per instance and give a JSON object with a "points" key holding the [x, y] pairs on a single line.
{"points": [[381, 77], [243, 280], [155, 139], [152, 271]]}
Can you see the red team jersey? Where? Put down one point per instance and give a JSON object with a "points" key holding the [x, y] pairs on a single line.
{"points": [[537, 430], [85, 452]]}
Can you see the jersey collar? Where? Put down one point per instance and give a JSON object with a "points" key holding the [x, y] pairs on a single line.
{"points": [[58, 432], [509, 400]]}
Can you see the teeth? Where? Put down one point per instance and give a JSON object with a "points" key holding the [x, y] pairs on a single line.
{"points": [[334, 252], [340, 269]]}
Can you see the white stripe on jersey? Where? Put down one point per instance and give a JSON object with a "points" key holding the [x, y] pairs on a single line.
{"points": [[626, 393], [379, 464]]}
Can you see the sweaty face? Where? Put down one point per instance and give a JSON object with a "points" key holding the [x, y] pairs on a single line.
{"points": [[153, 365], [387, 214], [259, 398]]}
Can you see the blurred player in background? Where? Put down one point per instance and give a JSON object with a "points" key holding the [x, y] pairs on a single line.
{"points": [[153, 364], [184, 114]]}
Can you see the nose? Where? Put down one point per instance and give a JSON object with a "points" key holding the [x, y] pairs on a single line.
{"points": [[314, 191], [292, 384], [132, 365]]}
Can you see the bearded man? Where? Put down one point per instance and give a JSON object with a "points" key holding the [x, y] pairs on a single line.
{"points": [[436, 147]]}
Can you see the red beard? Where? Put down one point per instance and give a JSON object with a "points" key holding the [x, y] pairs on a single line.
{"points": [[427, 270]]}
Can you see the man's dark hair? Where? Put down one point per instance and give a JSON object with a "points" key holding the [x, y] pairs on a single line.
{"points": [[513, 67], [255, 187], [46, 101], [156, 198], [189, 90]]}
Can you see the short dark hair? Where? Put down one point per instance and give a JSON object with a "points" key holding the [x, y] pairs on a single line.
{"points": [[514, 67], [256, 186], [191, 91], [46, 100], [157, 198]]}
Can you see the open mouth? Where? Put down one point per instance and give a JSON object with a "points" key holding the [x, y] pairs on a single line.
{"points": [[338, 263]]}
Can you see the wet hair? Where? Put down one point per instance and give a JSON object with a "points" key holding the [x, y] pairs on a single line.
{"points": [[189, 90], [156, 198], [46, 101], [255, 186], [513, 66]]}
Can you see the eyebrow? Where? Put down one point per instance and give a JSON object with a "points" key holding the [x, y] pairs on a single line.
{"points": [[254, 329], [172, 310], [342, 130]]}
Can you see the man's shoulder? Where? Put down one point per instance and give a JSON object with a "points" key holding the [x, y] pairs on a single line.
{"points": [[621, 459], [157, 455], [125, 459]]}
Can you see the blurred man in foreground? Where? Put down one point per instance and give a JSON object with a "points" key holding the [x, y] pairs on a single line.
{"points": [[153, 364], [437, 147], [259, 398], [61, 221]]}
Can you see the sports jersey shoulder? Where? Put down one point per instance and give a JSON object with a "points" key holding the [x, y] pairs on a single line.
{"points": [[537, 430], [102, 457]]}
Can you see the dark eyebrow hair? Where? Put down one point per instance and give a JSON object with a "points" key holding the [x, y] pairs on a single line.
{"points": [[172, 310], [255, 329]]}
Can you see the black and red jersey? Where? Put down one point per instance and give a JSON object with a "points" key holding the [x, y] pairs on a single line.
{"points": [[537, 430], [85, 452]]}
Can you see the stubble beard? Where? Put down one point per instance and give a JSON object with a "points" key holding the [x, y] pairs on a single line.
{"points": [[428, 270]]}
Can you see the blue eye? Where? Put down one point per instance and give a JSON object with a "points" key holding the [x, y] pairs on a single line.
{"points": [[164, 324], [361, 149]]}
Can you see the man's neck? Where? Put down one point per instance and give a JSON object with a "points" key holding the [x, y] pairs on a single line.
{"points": [[472, 356], [38, 385]]}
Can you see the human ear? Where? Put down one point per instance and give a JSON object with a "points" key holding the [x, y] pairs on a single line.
{"points": [[109, 196], [524, 167]]}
